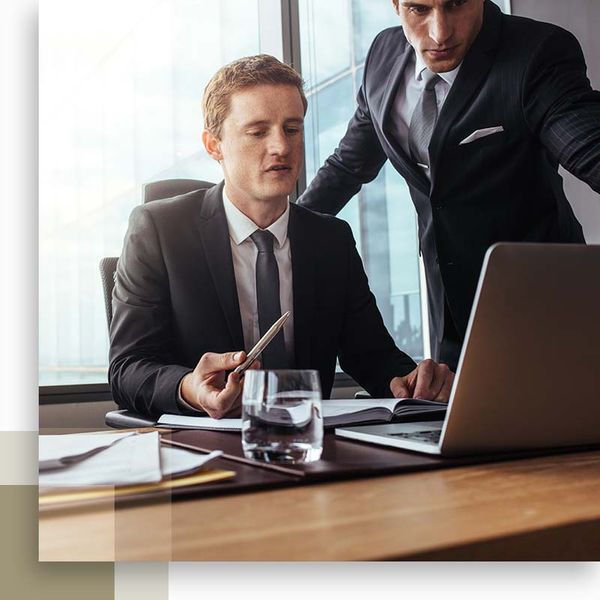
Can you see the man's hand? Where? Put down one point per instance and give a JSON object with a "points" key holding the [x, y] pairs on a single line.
{"points": [[429, 381], [209, 388]]}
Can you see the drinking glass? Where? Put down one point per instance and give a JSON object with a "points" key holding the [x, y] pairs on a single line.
{"points": [[282, 419]]}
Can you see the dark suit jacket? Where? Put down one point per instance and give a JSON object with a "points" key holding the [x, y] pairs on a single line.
{"points": [[526, 76], [175, 298]]}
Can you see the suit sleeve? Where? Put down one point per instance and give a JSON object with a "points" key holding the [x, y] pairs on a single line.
{"points": [[561, 108], [143, 373], [357, 160], [367, 351]]}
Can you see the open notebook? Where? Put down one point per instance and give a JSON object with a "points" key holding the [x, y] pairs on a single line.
{"points": [[335, 414]]}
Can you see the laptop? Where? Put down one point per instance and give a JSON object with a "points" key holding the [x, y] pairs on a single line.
{"points": [[528, 376]]}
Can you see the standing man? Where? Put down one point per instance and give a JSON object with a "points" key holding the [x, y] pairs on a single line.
{"points": [[204, 275], [476, 110]]}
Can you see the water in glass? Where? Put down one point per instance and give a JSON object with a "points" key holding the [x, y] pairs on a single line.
{"points": [[281, 416]]}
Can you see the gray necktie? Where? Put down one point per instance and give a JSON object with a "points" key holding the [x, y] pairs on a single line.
{"points": [[423, 120], [267, 294]]}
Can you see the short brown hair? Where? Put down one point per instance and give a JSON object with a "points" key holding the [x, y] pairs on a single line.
{"points": [[244, 73]]}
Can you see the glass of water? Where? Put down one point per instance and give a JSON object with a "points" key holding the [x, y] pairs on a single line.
{"points": [[281, 416]]}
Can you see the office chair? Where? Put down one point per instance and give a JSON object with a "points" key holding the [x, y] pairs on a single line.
{"points": [[155, 190], [108, 270], [168, 188]]}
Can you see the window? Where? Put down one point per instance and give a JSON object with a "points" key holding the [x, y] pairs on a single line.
{"points": [[381, 215], [120, 106], [120, 101]]}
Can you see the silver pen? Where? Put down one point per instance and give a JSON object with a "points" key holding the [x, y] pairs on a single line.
{"points": [[262, 343]]}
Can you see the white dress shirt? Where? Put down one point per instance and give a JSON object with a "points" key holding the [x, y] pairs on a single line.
{"points": [[244, 253], [409, 93]]}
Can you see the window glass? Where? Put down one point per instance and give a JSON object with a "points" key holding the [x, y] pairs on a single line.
{"points": [[120, 105], [325, 31], [381, 215], [369, 18]]}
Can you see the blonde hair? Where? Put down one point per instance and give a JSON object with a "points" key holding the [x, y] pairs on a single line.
{"points": [[244, 73]]}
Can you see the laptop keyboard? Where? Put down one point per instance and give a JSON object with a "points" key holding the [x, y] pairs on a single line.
{"points": [[428, 437]]}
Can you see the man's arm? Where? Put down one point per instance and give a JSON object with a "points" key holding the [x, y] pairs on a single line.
{"points": [[144, 373], [357, 160], [561, 108]]}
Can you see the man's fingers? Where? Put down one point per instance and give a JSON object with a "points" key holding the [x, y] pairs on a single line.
{"points": [[218, 402], [233, 381], [429, 381], [217, 392], [209, 401], [231, 396], [399, 388], [211, 362], [425, 375], [440, 373], [434, 381], [444, 393], [234, 409]]}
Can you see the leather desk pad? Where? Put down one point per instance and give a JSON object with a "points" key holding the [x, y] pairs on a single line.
{"points": [[341, 459]]}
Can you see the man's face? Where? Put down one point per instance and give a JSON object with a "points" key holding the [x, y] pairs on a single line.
{"points": [[442, 31], [261, 147]]}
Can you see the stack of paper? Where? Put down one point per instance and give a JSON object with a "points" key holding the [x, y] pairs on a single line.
{"points": [[112, 459]]}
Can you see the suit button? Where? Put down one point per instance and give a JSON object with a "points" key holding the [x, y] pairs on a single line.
{"points": [[439, 207]]}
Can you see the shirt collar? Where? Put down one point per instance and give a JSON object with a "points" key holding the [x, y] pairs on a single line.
{"points": [[241, 227], [420, 66]]}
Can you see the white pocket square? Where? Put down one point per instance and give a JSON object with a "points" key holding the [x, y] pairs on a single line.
{"points": [[479, 133]]}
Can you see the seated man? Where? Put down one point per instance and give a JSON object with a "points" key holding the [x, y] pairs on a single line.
{"points": [[203, 275]]}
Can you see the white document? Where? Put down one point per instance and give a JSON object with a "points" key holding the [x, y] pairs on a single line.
{"points": [[135, 459], [60, 450], [479, 133], [178, 461], [186, 422]]}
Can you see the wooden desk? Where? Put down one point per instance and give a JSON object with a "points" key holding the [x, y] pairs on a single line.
{"points": [[537, 509]]}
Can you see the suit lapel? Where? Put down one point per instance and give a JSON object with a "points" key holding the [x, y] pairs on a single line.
{"points": [[473, 71], [411, 171], [217, 249], [303, 275]]}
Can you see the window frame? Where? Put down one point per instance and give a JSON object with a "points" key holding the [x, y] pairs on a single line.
{"points": [[74, 392]]}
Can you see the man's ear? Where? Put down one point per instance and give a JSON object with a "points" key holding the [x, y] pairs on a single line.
{"points": [[212, 145], [396, 4]]}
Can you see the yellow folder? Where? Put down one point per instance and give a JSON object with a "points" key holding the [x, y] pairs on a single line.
{"points": [[53, 499]]}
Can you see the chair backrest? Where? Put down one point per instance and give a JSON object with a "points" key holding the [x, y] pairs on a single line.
{"points": [[155, 190], [167, 188], [108, 269]]}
